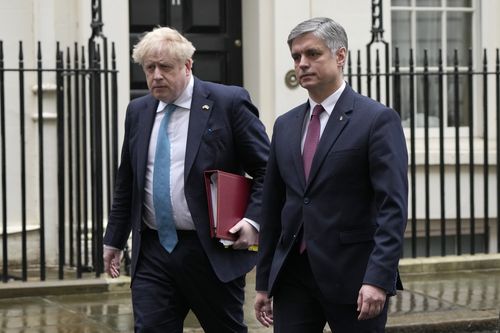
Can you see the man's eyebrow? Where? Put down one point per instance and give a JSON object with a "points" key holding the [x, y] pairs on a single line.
{"points": [[313, 48]]}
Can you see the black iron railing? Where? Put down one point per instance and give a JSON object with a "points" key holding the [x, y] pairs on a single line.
{"points": [[446, 110], [81, 145], [448, 106]]}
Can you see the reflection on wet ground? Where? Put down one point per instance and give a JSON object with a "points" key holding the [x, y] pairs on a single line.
{"points": [[461, 302], [443, 292], [465, 301]]}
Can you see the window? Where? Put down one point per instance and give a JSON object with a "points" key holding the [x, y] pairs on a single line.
{"points": [[430, 27]]}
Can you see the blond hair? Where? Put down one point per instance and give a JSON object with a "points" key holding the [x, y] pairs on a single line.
{"points": [[161, 39]]}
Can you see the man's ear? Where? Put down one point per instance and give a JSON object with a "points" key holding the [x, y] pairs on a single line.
{"points": [[188, 65], [341, 56]]}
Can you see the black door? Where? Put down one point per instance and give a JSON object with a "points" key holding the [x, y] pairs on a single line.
{"points": [[213, 26]]}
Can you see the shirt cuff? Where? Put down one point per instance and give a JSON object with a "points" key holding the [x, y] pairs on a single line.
{"points": [[253, 223], [111, 247]]}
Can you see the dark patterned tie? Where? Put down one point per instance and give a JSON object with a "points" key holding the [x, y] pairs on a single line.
{"points": [[312, 139], [310, 145]]}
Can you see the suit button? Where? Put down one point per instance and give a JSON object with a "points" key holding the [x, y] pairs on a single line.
{"points": [[306, 201]]}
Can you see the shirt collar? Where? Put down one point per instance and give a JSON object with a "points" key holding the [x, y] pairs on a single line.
{"points": [[329, 102], [184, 100]]}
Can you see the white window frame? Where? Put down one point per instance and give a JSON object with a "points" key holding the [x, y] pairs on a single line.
{"points": [[449, 132]]}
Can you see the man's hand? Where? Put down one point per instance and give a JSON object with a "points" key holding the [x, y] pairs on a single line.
{"points": [[247, 235], [112, 258], [263, 309], [371, 301]]}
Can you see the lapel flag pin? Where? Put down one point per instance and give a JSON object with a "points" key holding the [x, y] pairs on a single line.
{"points": [[205, 107]]}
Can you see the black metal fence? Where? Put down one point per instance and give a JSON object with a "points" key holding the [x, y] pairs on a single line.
{"points": [[83, 142], [451, 116]]}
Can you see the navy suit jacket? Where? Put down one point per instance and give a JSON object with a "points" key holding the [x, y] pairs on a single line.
{"points": [[353, 207], [227, 136]]}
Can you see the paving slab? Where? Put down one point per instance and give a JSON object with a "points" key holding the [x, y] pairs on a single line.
{"points": [[445, 297]]}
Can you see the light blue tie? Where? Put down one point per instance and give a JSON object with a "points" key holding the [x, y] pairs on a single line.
{"points": [[161, 185]]}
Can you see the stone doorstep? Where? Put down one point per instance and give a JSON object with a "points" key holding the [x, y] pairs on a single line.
{"points": [[470, 324], [458, 321], [458, 326], [458, 316], [449, 263], [87, 285], [63, 287]]}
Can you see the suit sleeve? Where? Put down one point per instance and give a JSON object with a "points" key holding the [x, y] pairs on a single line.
{"points": [[388, 160], [252, 148], [273, 201], [119, 223]]}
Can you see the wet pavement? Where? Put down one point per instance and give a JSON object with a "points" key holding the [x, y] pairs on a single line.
{"points": [[438, 297]]}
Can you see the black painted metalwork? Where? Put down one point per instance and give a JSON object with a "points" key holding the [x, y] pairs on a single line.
{"points": [[60, 161], [86, 97], [78, 94], [377, 32], [70, 173], [87, 146], [456, 110], [97, 40], [41, 162], [5, 256], [426, 105], [442, 182], [22, 149], [486, 164], [472, 190], [413, 163]]}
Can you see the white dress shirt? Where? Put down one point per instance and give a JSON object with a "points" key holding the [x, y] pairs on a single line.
{"points": [[177, 134]]}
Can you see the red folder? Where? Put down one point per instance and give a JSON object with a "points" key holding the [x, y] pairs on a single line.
{"points": [[228, 196]]}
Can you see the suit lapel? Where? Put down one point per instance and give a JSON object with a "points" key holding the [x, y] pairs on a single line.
{"points": [[296, 141], [201, 108], [339, 118], [144, 125]]}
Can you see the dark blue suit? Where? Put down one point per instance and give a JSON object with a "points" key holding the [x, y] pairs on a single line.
{"points": [[353, 209], [228, 136]]}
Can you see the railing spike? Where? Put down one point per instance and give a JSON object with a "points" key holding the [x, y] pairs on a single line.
{"points": [[21, 55]]}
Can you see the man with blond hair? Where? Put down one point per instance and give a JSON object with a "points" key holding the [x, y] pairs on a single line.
{"points": [[182, 128]]}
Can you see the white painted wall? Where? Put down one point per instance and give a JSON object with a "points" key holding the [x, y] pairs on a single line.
{"points": [[258, 63]]}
